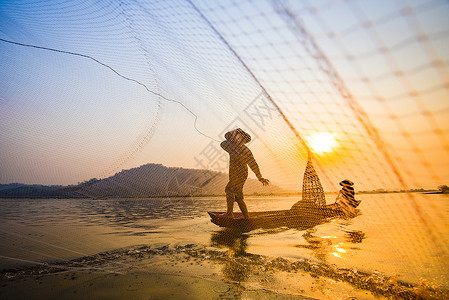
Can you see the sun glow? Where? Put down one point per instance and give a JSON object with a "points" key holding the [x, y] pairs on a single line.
{"points": [[322, 142]]}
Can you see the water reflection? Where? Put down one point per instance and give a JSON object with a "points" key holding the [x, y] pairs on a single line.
{"points": [[333, 240], [322, 246], [234, 240], [355, 236], [131, 212]]}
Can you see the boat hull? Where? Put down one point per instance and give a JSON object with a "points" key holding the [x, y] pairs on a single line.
{"points": [[302, 218]]}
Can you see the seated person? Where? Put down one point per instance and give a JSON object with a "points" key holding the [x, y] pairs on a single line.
{"points": [[345, 198]]}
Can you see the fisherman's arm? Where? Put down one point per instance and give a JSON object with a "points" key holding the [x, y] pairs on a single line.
{"points": [[339, 195], [255, 168]]}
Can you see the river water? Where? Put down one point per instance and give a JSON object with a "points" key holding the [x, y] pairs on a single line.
{"points": [[403, 235]]}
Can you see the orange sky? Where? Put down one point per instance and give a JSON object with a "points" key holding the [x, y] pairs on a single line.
{"points": [[67, 118]]}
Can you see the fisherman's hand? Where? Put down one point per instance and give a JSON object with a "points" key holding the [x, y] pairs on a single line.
{"points": [[264, 181]]}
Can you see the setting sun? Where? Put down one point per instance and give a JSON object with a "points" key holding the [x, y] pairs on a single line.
{"points": [[322, 142]]}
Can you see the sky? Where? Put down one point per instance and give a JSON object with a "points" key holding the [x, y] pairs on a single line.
{"points": [[141, 82]]}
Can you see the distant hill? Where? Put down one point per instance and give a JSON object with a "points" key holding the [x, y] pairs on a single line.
{"points": [[19, 190], [150, 180]]}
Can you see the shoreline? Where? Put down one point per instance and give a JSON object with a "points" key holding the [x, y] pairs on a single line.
{"points": [[138, 270], [182, 196]]}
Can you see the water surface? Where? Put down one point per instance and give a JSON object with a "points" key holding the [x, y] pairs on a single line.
{"points": [[395, 234]]}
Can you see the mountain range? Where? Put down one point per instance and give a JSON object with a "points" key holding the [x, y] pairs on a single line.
{"points": [[150, 180]]}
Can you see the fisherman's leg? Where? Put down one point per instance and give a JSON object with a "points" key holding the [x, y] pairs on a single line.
{"points": [[242, 205], [230, 198]]}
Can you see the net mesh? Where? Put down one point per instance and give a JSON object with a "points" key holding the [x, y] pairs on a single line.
{"points": [[285, 71], [360, 86]]}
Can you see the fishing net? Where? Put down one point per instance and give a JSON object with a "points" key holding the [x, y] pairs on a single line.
{"points": [[355, 89]]}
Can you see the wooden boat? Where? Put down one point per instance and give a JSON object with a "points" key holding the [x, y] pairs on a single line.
{"points": [[306, 213], [302, 218]]}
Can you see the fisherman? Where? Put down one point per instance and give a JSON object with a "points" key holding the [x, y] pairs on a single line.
{"points": [[240, 157], [345, 198]]}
